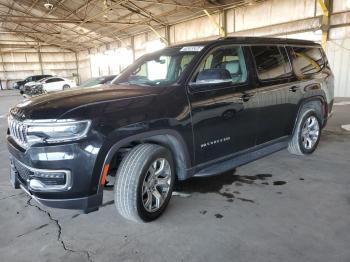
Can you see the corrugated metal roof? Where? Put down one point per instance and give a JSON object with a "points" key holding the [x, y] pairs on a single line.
{"points": [[82, 24]]}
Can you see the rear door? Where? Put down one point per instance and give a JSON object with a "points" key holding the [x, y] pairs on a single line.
{"points": [[54, 84], [50, 84], [223, 104], [278, 93]]}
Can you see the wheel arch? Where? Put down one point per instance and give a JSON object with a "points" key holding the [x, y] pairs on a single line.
{"points": [[168, 138], [313, 101]]}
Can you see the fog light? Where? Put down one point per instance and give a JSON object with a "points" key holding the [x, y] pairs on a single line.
{"points": [[36, 184], [49, 181]]}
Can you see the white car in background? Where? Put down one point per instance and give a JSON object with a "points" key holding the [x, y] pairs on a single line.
{"points": [[51, 84]]}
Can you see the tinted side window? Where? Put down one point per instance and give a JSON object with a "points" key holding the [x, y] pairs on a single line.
{"points": [[42, 77], [271, 62], [53, 80], [224, 64], [307, 60]]}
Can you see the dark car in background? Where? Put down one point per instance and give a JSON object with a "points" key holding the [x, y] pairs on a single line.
{"points": [[97, 81], [20, 84], [196, 109]]}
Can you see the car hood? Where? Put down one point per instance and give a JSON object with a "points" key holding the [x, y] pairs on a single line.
{"points": [[54, 105], [31, 83]]}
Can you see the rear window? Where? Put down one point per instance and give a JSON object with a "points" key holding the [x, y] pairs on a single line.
{"points": [[307, 60], [271, 62]]}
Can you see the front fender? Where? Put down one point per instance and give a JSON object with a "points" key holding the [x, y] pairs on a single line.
{"points": [[169, 138]]}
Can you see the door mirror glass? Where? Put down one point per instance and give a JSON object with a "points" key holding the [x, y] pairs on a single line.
{"points": [[213, 76]]}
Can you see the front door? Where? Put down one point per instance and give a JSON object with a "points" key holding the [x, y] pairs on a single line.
{"points": [[223, 104]]}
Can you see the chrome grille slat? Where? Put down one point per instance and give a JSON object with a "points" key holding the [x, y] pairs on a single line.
{"points": [[25, 134], [18, 131], [21, 135]]}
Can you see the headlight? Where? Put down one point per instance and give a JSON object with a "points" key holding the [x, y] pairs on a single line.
{"points": [[37, 86], [58, 131]]}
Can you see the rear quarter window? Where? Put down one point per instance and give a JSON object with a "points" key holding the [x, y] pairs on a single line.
{"points": [[307, 60]]}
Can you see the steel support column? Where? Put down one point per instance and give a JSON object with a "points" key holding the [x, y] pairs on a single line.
{"points": [[211, 18], [326, 6], [40, 60]]}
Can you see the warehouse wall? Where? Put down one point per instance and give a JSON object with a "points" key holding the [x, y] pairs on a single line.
{"points": [[278, 18], [18, 61], [338, 52], [105, 60], [84, 66]]}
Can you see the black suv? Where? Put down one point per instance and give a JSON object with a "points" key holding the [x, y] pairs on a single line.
{"points": [[197, 109]]}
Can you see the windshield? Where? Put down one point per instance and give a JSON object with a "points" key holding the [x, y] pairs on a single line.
{"points": [[161, 68], [97, 81], [91, 82]]}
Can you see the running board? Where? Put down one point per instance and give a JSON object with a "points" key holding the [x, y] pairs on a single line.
{"points": [[241, 159]]}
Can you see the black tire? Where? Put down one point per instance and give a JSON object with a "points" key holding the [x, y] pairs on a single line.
{"points": [[66, 87], [296, 145], [128, 188]]}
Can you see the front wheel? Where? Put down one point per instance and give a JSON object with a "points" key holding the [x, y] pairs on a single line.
{"points": [[306, 135], [66, 87], [144, 183]]}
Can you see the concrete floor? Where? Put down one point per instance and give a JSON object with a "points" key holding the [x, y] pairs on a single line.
{"points": [[280, 208]]}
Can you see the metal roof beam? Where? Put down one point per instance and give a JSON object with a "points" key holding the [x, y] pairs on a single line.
{"points": [[61, 26], [35, 19]]}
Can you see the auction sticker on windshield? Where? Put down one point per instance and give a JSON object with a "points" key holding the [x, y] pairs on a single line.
{"points": [[191, 48]]}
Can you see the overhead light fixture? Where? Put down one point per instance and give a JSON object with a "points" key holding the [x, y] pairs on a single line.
{"points": [[48, 5], [250, 2]]}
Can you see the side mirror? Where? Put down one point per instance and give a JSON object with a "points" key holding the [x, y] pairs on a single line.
{"points": [[212, 77]]}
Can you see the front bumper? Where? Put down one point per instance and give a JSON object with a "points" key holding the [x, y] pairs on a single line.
{"points": [[88, 204], [77, 191]]}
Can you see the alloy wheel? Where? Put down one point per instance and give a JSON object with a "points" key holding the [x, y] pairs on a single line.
{"points": [[310, 132], [156, 185]]}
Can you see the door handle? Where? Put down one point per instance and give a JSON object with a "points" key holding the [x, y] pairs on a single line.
{"points": [[293, 88], [245, 97]]}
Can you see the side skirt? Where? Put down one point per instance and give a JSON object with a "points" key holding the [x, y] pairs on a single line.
{"points": [[240, 158]]}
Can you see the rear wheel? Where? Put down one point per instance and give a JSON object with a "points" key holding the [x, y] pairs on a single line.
{"points": [[144, 183], [306, 134]]}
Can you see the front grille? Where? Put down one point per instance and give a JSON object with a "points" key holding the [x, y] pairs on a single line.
{"points": [[18, 131], [24, 173]]}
